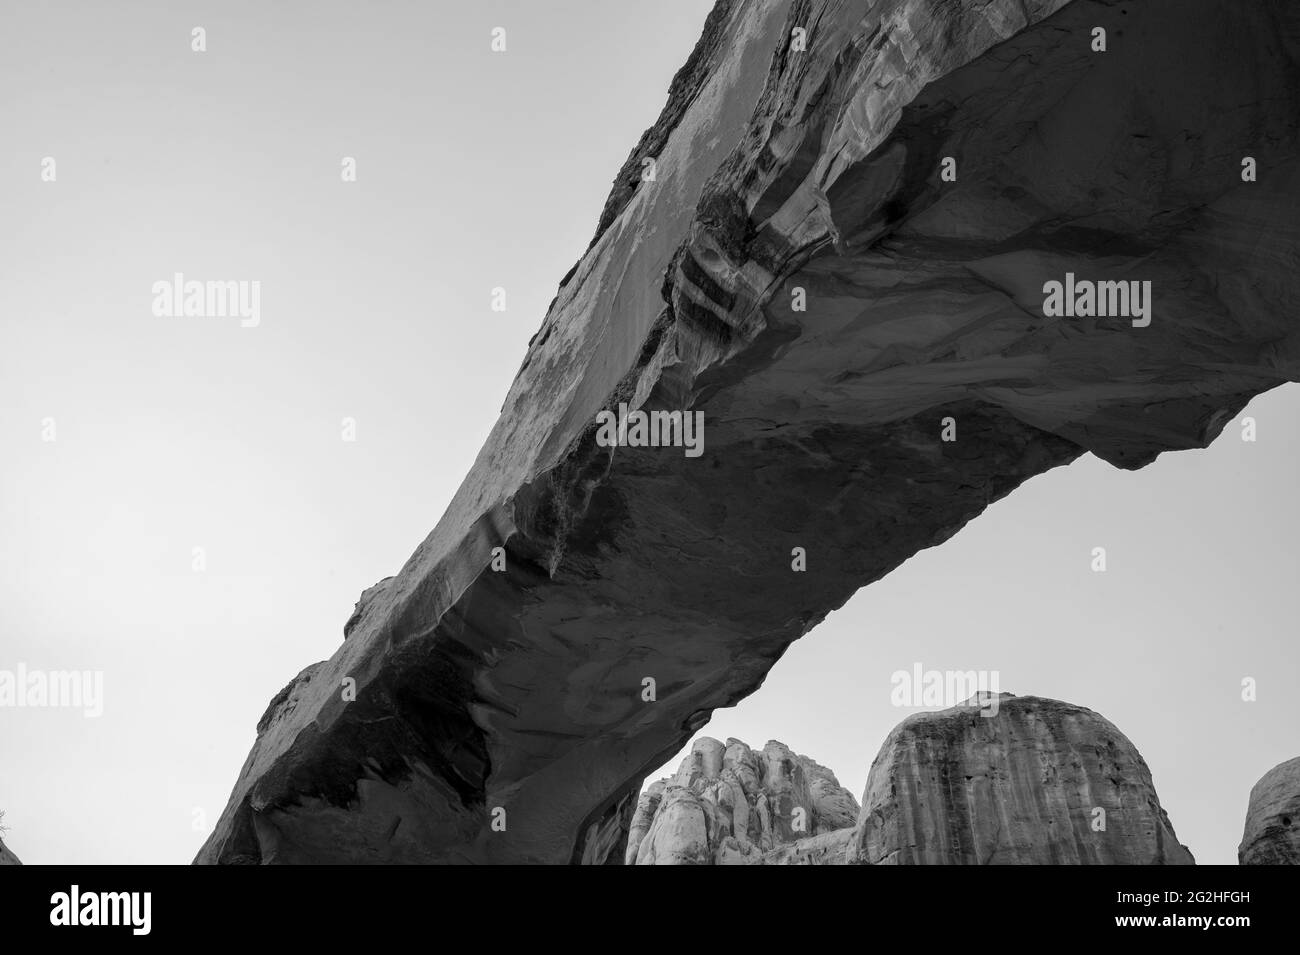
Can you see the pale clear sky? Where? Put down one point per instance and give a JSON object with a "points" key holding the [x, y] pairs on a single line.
{"points": [[475, 170]]}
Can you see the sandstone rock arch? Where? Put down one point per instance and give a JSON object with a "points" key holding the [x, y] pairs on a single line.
{"points": [[816, 170]]}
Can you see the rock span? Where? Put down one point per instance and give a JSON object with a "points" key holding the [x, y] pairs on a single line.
{"points": [[802, 273]]}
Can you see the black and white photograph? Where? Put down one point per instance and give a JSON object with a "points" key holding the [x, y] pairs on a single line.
{"points": [[532, 433]]}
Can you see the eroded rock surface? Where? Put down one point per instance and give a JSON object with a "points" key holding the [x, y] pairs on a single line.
{"points": [[1272, 835], [6, 856], [801, 274], [829, 848], [1036, 782], [730, 805]]}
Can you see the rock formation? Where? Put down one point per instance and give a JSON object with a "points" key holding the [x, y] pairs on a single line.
{"points": [[1036, 781], [6, 856], [1030, 781], [1272, 835], [807, 272], [729, 805]]}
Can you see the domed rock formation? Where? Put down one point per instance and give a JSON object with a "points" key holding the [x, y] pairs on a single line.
{"points": [[1030, 781], [842, 258], [1272, 835], [730, 805]]}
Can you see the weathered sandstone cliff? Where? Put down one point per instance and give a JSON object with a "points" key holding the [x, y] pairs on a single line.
{"points": [[1272, 835], [806, 272], [1034, 781]]}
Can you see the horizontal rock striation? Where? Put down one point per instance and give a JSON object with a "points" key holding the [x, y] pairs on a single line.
{"points": [[1272, 835], [802, 274], [730, 805], [1030, 781]]}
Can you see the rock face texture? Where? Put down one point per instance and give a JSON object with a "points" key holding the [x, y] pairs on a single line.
{"points": [[7, 857], [827, 849], [1272, 835], [805, 272], [1035, 783], [730, 805]]}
